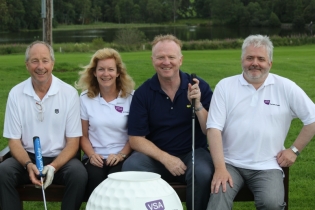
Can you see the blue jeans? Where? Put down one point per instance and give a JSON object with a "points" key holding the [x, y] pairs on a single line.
{"points": [[203, 174], [73, 175], [266, 185]]}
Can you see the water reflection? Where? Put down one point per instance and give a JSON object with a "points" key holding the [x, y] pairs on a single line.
{"points": [[185, 33]]}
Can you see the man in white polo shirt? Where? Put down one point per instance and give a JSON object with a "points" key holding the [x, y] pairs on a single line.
{"points": [[249, 118], [46, 107]]}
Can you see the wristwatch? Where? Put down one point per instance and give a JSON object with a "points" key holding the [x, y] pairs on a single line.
{"points": [[295, 150], [199, 108], [122, 155], [25, 165]]}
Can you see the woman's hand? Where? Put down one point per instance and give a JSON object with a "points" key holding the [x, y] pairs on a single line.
{"points": [[114, 159]]}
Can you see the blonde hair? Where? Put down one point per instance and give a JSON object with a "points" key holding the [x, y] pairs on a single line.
{"points": [[88, 81], [167, 37]]}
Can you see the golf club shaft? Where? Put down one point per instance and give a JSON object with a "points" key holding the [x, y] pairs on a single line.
{"points": [[193, 101], [44, 197], [193, 165]]}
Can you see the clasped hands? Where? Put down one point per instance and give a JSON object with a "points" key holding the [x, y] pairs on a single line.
{"points": [[48, 175], [112, 160]]}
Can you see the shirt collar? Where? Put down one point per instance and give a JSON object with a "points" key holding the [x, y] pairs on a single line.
{"points": [[118, 100], [29, 89], [184, 80], [269, 80]]}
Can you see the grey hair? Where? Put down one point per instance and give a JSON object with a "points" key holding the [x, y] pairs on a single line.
{"points": [[258, 41], [51, 50]]}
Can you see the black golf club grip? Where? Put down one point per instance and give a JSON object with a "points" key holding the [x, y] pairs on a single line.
{"points": [[193, 100]]}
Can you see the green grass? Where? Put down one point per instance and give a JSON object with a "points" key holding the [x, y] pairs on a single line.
{"points": [[295, 63]]}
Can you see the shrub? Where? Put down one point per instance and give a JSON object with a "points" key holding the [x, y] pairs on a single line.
{"points": [[129, 36], [98, 42]]}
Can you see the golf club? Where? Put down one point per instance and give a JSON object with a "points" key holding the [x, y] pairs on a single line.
{"points": [[193, 143], [39, 163]]}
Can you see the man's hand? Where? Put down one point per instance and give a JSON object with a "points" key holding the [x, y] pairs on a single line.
{"points": [[33, 173], [194, 92], [220, 177], [175, 165], [286, 158], [49, 171]]}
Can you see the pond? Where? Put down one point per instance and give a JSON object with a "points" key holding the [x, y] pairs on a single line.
{"points": [[185, 33]]}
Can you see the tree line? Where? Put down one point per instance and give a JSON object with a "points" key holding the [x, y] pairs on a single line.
{"points": [[26, 14]]}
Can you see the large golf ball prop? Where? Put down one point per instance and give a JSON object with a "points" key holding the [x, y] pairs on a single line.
{"points": [[134, 191]]}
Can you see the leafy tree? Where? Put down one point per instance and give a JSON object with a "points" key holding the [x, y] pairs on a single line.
{"points": [[274, 20], [16, 14], [289, 12], [309, 12], [64, 12], [109, 12], [155, 9], [185, 9], [32, 19], [4, 15], [298, 20], [136, 13], [226, 11], [85, 10], [254, 10], [117, 13], [202, 8], [125, 7], [96, 13]]}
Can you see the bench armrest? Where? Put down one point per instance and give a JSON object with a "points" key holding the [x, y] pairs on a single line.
{"points": [[4, 154]]}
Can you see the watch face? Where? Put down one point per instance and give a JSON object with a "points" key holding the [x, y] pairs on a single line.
{"points": [[295, 150]]}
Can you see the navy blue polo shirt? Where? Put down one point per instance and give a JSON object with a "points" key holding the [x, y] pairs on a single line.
{"points": [[167, 124]]}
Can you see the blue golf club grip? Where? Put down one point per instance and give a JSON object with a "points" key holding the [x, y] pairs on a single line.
{"points": [[38, 155]]}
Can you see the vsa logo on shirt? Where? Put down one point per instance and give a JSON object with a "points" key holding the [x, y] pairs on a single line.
{"points": [[155, 205], [120, 109], [268, 103]]}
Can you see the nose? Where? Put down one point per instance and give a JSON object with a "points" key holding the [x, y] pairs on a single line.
{"points": [[166, 60], [40, 65], [255, 62], [106, 72]]}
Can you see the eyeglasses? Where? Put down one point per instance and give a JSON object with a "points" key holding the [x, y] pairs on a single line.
{"points": [[40, 109]]}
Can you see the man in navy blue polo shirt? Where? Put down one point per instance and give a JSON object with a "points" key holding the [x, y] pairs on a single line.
{"points": [[160, 124]]}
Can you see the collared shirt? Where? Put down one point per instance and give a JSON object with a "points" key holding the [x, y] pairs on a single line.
{"points": [[52, 119], [168, 124], [107, 122], [255, 123]]}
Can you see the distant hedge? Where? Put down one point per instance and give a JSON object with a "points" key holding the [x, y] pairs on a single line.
{"points": [[294, 40]]}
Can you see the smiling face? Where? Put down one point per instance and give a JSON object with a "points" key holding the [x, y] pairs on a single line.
{"points": [[167, 59], [106, 73], [40, 65], [256, 65]]}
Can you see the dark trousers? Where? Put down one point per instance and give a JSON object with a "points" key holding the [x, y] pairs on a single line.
{"points": [[203, 174], [73, 175], [96, 175]]}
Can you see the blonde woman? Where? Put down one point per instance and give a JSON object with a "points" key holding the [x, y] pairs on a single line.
{"points": [[107, 91]]}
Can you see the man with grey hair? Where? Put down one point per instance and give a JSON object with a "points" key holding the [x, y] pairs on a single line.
{"points": [[249, 117], [46, 107]]}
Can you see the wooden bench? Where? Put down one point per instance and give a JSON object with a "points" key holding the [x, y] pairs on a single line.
{"points": [[54, 192]]}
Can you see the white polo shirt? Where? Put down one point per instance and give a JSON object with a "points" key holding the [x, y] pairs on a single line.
{"points": [[255, 123], [107, 122], [60, 117]]}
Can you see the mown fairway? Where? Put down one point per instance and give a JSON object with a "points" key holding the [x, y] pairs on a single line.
{"points": [[295, 63]]}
